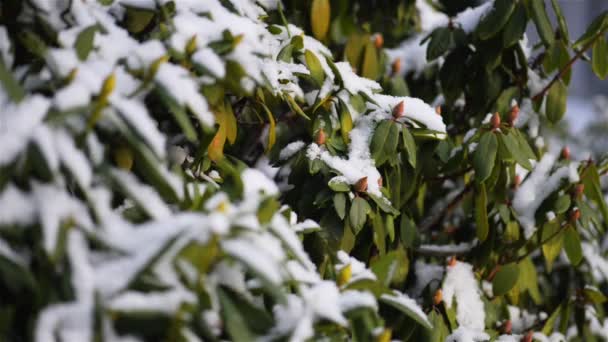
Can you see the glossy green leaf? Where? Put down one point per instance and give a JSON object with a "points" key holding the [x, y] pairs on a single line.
{"points": [[410, 146], [541, 20], [556, 102], [552, 234], [505, 279], [494, 21], [484, 156], [320, 16], [597, 25], [441, 40], [408, 231], [339, 184], [561, 21], [599, 59], [413, 314], [84, 42], [384, 141], [370, 64], [339, 200], [516, 26], [572, 245], [593, 190], [358, 213], [314, 66], [481, 213], [10, 84]]}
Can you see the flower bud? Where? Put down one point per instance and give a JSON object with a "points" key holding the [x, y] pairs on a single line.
{"points": [[380, 182], [398, 110], [507, 327], [513, 115], [361, 185], [575, 215], [578, 190], [396, 66], [566, 153], [438, 297], [527, 337], [516, 181], [321, 137], [438, 110], [495, 121], [378, 40]]}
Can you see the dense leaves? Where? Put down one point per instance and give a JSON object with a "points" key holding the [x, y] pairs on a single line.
{"points": [[296, 170]]}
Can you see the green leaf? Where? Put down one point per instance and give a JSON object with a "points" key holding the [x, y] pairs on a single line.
{"points": [[549, 325], [594, 296], [384, 141], [10, 84], [572, 245], [494, 21], [597, 26], [179, 114], [556, 59], [395, 302], [481, 213], [512, 146], [441, 40], [314, 65], [505, 279], [236, 324], [346, 121], [384, 204], [358, 213], [562, 204], [556, 102], [541, 20], [339, 184], [528, 279], [593, 189], [340, 205], [599, 59], [551, 233], [484, 157], [320, 16], [379, 233], [370, 66], [410, 146], [353, 50], [84, 42], [408, 231], [561, 21], [137, 19]]}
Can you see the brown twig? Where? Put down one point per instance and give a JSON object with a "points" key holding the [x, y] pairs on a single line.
{"points": [[568, 65]]}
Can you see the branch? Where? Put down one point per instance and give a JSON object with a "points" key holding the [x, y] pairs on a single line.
{"points": [[568, 65], [433, 220]]}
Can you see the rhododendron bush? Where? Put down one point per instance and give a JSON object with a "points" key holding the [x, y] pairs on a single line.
{"points": [[207, 170]]}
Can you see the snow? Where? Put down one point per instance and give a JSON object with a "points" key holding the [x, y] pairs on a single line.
{"points": [[254, 182], [164, 302], [136, 115], [352, 299], [538, 186], [597, 263], [73, 159], [358, 269], [461, 285], [145, 196], [402, 300], [465, 334], [210, 61], [71, 97], [18, 123], [460, 248], [176, 81], [16, 207]]}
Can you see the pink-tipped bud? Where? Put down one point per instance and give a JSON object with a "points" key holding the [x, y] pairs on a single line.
{"points": [[566, 153], [396, 66], [321, 137], [378, 40], [361, 185], [399, 110], [438, 110], [575, 215], [495, 121], [578, 190]]}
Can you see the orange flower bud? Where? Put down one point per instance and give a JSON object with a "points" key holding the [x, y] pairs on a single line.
{"points": [[566, 153], [361, 185], [438, 297], [378, 40], [398, 110], [396, 66], [495, 121], [578, 190], [575, 215], [438, 110], [321, 137], [452, 261], [507, 327], [380, 182]]}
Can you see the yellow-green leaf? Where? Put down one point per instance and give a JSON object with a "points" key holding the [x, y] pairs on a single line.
{"points": [[320, 15], [481, 213], [505, 279], [556, 102], [554, 240], [314, 66], [599, 59]]}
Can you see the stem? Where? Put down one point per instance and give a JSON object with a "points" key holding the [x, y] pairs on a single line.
{"points": [[568, 65], [433, 220]]}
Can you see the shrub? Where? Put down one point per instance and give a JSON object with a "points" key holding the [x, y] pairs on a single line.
{"points": [[205, 170]]}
